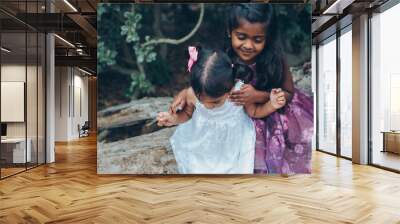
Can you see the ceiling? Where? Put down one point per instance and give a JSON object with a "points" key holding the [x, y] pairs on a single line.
{"points": [[72, 20], [331, 15]]}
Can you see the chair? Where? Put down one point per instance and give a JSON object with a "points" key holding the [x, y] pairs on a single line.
{"points": [[84, 130]]}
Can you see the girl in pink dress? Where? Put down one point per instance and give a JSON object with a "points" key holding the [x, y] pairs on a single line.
{"points": [[283, 139]]}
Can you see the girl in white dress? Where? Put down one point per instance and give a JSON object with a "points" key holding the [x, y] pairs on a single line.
{"points": [[215, 136]]}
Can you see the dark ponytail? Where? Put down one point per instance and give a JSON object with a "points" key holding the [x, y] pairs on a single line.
{"points": [[212, 73]]}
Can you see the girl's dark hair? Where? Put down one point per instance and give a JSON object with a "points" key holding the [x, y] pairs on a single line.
{"points": [[213, 73], [269, 63]]}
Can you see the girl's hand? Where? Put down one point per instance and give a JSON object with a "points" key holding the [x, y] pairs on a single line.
{"points": [[179, 102], [244, 96], [166, 119], [277, 98]]}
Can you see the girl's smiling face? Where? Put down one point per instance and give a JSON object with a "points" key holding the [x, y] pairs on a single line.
{"points": [[248, 40]]}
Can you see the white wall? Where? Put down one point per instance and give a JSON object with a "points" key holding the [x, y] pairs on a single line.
{"points": [[12, 100], [14, 73], [61, 103], [71, 93]]}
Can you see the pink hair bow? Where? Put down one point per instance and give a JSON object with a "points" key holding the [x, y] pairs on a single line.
{"points": [[192, 57]]}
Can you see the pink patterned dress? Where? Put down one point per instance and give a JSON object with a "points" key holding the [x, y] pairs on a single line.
{"points": [[283, 139]]}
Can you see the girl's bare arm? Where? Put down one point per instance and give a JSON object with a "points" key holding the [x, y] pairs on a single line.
{"points": [[262, 110], [259, 110], [186, 113], [287, 86], [179, 101]]}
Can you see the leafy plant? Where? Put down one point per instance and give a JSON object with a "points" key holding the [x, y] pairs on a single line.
{"points": [[105, 56], [129, 53], [140, 85]]}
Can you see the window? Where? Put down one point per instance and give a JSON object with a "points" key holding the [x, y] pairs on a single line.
{"points": [[385, 88], [22, 74], [346, 92], [327, 96]]}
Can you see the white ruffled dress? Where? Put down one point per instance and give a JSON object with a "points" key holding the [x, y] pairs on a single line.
{"points": [[215, 141]]}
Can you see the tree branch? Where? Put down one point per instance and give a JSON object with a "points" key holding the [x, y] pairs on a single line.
{"points": [[183, 39], [122, 70]]}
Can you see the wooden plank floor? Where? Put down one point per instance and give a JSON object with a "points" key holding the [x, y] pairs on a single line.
{"points": [[70, 191]]}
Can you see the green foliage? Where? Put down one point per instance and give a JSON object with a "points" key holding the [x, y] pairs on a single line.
{"points": [[294, 23], [131, 26], [105, 56], [140, 86], [123, 28], [144, 54], [125, 20], [102, 9], [107, 48]]}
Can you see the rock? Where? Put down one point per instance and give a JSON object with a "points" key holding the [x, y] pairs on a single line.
{"points": [[302, 78], [145, 154], [131, 119]]}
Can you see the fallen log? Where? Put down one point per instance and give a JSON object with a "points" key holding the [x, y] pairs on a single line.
{"points": [[130, 119]]}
